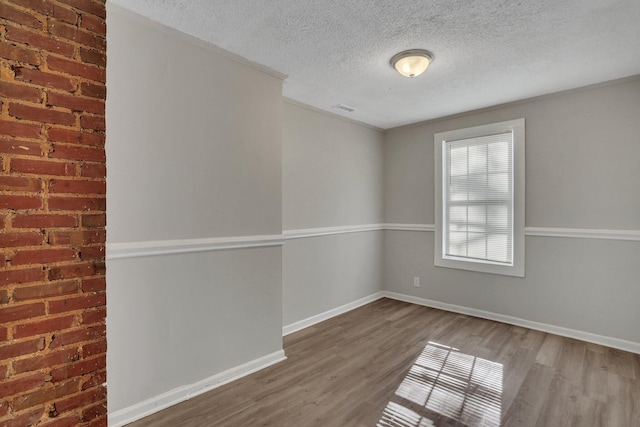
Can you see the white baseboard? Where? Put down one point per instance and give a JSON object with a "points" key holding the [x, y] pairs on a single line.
{"points": [[180, 394], [305, 323], [620, 344]]}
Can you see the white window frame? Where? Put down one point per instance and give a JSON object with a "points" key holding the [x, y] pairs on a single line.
{"points": [[517, 267]]}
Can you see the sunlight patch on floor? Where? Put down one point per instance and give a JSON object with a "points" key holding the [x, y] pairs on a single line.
{"points": [[445, 381]]}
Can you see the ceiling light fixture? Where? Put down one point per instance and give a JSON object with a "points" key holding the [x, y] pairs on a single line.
{"points": [[411, 63]]}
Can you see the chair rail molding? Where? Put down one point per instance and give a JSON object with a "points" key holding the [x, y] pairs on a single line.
{"points": [[167, 247]]}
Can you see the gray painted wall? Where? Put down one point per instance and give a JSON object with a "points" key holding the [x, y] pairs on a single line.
{"points": [[199, 151], [322, 273], [331, 170], [175, 320], [193, 151], [332, 175], [582, 171]]}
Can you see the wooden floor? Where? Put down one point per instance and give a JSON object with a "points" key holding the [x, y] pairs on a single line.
{"points": [[393, 364]]}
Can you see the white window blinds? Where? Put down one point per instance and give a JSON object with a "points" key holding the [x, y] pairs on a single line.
{"points": [[478, 199]]}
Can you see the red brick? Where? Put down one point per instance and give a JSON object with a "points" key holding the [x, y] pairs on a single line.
{"points": [[8, 351], [98, 422], [13, 146], [65, 14], [12, 14], [91, 333], [85, 398], [45, 394], [94, 23], [99, 267], [92, 122], [4, 296], [76, 103], [77, 152], [94, 348], [21, 276], [43, 221], [20, 54], [77, 186], [14, 313], [48, 360], [43, 6], [19, 129], [27, 112], [94, 220], [96, 379], [19, 183], [52, 289], [72, 271], [95, 412], [20, 202], [77, 303], [20, 239], [93, 316], [76, 204], [94, 57], [93, 170], [41, 78], [40, 41], [46, 7], [93, 90], [76, 137], [26, 419], [94, 8], [43, 256], [28, 137], [74, 68], [42, 167], [77, 238], [94, 284], [88, 253], [20, 91], [70, 421], [10, 388], [76, 34], [43, 326]]}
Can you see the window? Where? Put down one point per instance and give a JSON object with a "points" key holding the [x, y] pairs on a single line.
{"points": [[480, 198]]}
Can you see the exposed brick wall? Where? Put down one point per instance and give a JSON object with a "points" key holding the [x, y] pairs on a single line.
{"points": [[52, 213]]}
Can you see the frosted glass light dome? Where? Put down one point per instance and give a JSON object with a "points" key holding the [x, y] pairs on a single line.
{"points": [[411, 63]]}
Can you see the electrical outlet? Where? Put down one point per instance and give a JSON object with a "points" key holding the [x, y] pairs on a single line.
{"points": [[416, 282]]}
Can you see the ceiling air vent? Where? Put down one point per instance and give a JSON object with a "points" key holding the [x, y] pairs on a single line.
{"points": [[344, 108]]}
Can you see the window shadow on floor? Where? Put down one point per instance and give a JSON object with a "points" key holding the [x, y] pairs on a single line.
{"points": [[446, 387]]}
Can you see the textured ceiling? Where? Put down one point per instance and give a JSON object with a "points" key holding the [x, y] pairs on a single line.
{"points": [[487, 52]]}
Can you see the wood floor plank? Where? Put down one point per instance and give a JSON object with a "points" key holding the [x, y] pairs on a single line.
{"points": [[548, 352], [560, 403], [590, 413], [527, 404], [595, 376], [623, 403], [395, 364], [620, 362], [515, 372]]}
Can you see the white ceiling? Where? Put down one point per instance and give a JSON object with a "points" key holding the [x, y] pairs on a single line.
{"points": [[487, 52]]}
